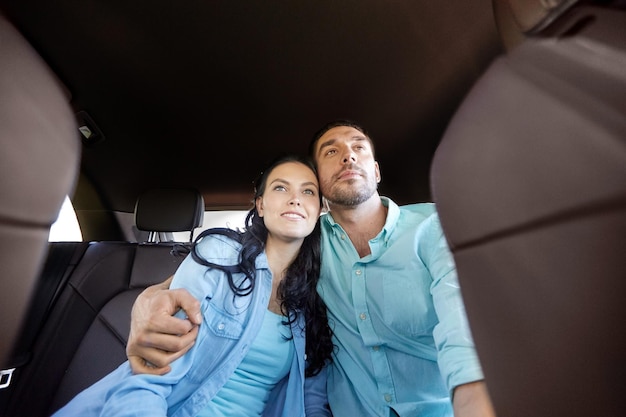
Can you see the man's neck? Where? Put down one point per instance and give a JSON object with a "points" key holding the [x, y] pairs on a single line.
{"points": [[362, 222]]}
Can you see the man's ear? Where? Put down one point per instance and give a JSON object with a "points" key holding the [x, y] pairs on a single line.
{"points": [[259, 205], [377, 170], [325, 206]]}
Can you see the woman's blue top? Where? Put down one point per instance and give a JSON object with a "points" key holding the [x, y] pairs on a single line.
{"points": [[267, 362]]}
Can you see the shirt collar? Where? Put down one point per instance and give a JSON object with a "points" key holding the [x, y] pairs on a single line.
{"points": [[261, 261], [393, 213]]}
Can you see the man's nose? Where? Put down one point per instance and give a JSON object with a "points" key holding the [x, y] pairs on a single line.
{"points": [[349, 156]]}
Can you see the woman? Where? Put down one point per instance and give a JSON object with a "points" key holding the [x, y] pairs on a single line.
{"points": [[258, 294]]}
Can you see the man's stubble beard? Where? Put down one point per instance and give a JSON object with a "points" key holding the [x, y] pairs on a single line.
{"points": [[350, 195]]}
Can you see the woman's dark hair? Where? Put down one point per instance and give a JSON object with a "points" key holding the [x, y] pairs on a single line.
{"points": [[298, 290]]}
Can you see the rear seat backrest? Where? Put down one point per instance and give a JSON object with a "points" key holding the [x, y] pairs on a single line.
{"points": [[106, 338], [85, 335]]}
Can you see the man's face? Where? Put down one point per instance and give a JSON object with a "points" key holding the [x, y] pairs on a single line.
{"points": [[347, 171]]}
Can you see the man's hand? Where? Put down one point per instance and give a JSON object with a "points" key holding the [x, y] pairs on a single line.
{"points": [[156, 338], [472, 400]]}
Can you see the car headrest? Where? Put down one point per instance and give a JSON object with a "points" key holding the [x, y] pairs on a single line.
{"points": [[169, 210]]}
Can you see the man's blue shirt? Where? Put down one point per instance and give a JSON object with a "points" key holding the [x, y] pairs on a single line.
{"points": [[398, 319]]}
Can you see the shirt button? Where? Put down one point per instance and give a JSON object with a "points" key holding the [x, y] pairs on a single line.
{"points": [[388, 397], [363, 316], [358, 272], [343, 237], [376, 348], [220, 326]]}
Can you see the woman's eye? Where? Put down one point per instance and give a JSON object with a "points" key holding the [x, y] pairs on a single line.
{"points": [[309, 192], [280, 188]]}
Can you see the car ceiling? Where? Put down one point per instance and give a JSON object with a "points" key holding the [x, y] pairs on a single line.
{"points": [[203, 93]]}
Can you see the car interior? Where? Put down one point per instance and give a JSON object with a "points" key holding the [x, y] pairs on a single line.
{"points": [[150, 116]]}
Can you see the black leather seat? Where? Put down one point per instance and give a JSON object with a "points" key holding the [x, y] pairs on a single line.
{"points": [[85, 334], [530, 183]]}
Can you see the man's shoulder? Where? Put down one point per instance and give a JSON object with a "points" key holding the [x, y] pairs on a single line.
{"points": [[420, 208], [419, 216], [418, 212]]}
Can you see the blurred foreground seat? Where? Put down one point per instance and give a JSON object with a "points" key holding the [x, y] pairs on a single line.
{"points": [[39, 158], [530, 183]]}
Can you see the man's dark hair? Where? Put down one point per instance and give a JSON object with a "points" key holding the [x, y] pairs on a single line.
{"points": [[332, 125]]}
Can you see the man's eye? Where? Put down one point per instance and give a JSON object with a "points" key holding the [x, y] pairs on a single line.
{"points": [[331, 152]]}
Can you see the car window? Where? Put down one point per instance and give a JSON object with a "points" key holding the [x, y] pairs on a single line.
{"points": [[66, 227], [233, 219]]}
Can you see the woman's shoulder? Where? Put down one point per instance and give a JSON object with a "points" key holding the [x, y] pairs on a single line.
{"points": [[213, 247], [219, 244]]}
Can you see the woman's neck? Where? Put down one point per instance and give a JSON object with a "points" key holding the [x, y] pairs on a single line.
{"points": [[280, 254]]}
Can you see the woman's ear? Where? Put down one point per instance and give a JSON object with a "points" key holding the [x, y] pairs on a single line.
{"points": [[259, 205]]}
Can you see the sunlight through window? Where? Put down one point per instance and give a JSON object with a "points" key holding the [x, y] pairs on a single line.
{"points": [[66, 228]]}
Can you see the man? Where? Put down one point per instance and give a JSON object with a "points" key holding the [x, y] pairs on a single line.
{"points": [[390, 286]]}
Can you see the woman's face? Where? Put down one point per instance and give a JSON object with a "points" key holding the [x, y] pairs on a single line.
{"points": [[290, 204]]}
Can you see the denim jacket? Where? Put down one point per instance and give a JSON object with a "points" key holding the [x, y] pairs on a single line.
{"points": [[230, 325]]}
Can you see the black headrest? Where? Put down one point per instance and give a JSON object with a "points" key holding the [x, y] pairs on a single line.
{"points": [[169, 210]]}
